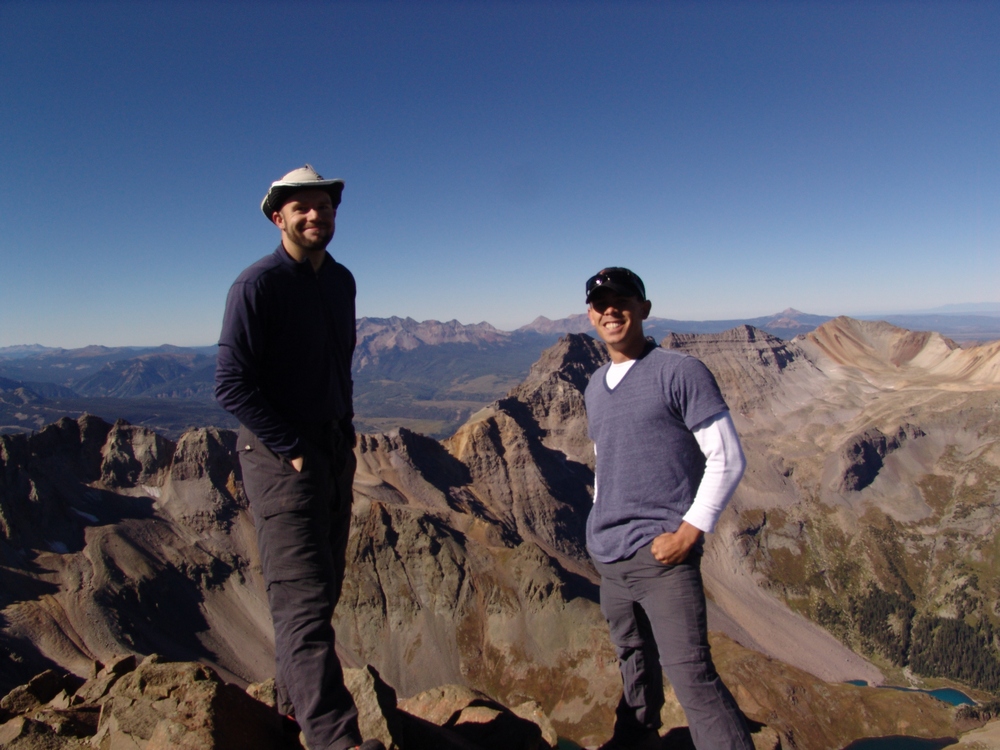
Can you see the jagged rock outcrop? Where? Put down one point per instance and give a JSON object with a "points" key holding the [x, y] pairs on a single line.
{"points": [[429, 605], [160, 705], [115, 540], [203, 487], [158, 555], [528, 455], [133, 456], [476, 720], [154, 704], [553, 395], [151, 705], [41, 476]]}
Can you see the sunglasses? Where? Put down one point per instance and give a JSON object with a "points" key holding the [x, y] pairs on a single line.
{"points": [[616, 277]]}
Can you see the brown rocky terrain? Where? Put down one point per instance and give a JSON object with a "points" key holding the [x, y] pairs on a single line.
{"points": [[870, 502], [160, 705], [467, 560]]}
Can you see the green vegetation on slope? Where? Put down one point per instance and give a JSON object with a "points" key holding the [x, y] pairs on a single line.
{"points": [[922, 595]]}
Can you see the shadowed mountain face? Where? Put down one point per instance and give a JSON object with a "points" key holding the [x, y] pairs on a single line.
{"points": [[466, 556], [115, 540]]}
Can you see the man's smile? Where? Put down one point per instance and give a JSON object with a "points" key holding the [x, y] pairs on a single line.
{"points": [[618, 320]]}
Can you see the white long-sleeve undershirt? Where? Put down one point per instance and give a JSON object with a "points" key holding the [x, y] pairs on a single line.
{"points": [[724, 467], [724, 461]]}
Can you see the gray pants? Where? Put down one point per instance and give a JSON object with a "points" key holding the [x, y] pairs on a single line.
{"points": [[656, 614], [302, 521]]}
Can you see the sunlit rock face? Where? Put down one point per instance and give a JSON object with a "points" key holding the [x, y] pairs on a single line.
{"points": [[870, 501], [470, 559]]}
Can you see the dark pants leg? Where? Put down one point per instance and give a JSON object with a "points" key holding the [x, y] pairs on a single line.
{"points": [[302, 521], [656, 613]]}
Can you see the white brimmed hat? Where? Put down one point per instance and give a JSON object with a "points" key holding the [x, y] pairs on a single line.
{"points": [[303, 178]]}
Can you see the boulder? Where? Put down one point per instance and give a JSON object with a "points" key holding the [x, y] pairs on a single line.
{"points": [[165, 706], [23, 733], [532, 711], [376, 702], [480, 721], [98, 686], [40, 690], [441, 704]]}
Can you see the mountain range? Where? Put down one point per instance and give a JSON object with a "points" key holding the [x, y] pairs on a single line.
{"points": [[861, 544], [427, 376]]}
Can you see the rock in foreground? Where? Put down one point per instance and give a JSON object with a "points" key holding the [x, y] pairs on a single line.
{"points": [[158, 705]]}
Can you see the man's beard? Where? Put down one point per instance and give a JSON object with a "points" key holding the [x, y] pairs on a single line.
{"points": [[320, 243]]}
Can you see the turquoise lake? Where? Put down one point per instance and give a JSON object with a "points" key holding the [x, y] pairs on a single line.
{"points": [[948, 695]]}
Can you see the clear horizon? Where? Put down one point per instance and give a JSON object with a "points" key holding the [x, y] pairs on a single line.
{"points": [[990, 310], [840, 157]]}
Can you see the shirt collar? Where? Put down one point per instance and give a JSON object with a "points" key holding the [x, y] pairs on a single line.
{"points": [[288, 260]]}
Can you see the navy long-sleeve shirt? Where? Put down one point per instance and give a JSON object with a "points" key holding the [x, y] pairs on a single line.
{"points": [[288, 335]]}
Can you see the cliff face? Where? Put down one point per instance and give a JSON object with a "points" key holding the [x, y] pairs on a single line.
{"points": [[115, 540], [471, 565]]}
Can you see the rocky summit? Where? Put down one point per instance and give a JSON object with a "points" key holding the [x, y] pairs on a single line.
{"points": [[860, 545], [160, 705]]}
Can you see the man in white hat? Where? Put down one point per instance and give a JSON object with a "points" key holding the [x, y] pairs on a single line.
{"points": [[284, 370]]}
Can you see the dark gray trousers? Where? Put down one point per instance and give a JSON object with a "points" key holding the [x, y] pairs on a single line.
{"points": [[302, 521], [656, 614]]}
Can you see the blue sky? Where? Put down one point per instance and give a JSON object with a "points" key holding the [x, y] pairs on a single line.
{"points": [[742, 157]]}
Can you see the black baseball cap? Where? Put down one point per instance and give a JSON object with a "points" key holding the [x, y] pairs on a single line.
{"points": [[620, 280]]}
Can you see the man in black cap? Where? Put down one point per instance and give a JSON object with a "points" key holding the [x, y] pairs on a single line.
{"points": [[668, 460], [284, 370]]}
